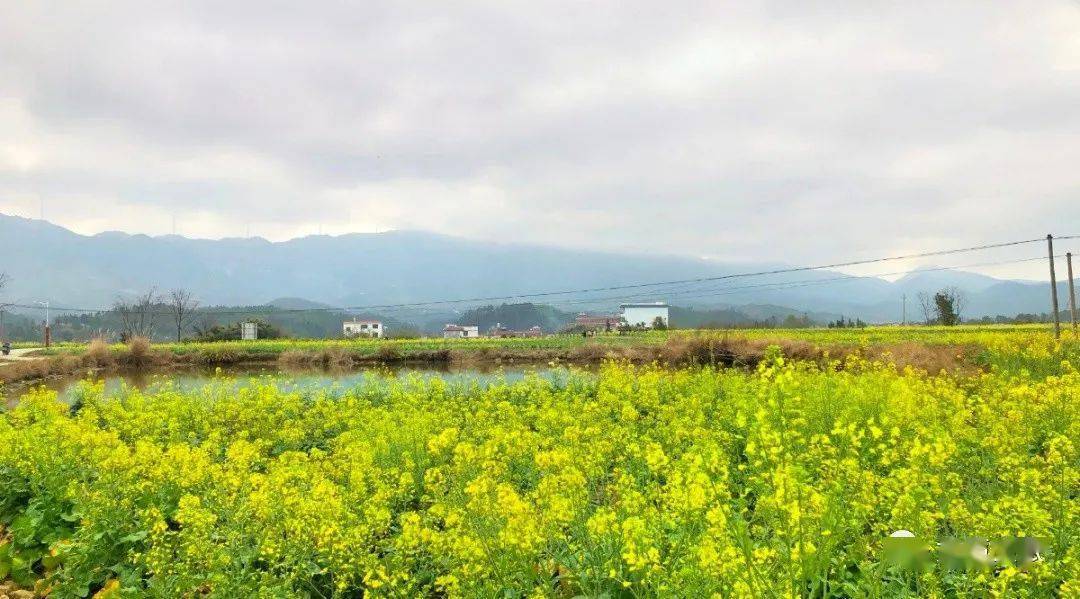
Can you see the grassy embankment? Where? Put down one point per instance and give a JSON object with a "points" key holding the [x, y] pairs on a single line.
{"points": [[927, 348]]}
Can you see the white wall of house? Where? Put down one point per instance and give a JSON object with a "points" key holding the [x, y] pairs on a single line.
{"points": [[461, 332], [363, 328], [644, 314]]}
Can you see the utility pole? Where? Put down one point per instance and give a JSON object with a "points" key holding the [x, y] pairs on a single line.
{"points": [[1053, 287], [48, 335], [903, 298], [1072, 293]]}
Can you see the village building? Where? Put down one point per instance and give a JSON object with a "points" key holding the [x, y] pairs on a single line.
{"points": [[601, 322], [363, 328], [457, 331], [644, 315]]}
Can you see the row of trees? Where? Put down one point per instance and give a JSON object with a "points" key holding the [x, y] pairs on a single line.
{"points": [[847, 323], [138, 316]]}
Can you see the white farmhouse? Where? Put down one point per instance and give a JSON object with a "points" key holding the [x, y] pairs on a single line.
{"points": [[457, 331], [363, 328], [644, 315]]}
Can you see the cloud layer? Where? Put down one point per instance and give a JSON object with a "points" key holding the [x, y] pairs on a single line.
{"points": [[734, 130]]}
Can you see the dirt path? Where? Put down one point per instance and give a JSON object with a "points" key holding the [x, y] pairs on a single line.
{"points": [[20, 355]]}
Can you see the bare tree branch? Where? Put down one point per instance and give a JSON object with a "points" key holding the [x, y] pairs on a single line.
{"points": [[926, 302], [182, 305], [137, 316], [959, 301], [204, 323]]}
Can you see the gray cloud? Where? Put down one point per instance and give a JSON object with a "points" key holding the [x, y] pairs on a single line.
{"points": [[777, 130]]}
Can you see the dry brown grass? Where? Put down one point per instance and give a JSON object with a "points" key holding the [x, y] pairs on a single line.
{"points": [[98, 354], [441, 356], [933, 359], [40, 369], [707, 350], [388, 354], [342, 357], [293, 359], [590, 352], [139, 351], [140, 355], [711, 350], [330, 357]]}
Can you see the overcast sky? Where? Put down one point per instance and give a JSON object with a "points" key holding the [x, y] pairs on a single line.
{"points": [[732, 130]]}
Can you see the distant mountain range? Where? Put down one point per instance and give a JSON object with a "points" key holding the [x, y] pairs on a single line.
{"points": [[48, 262]]}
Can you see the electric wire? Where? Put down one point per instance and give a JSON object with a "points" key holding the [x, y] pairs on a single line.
{"points": [[543, 294]]}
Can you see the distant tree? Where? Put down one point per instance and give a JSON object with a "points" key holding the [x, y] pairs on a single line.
{"points": [[926, 302], [959, 300], [846, 323], [658, 324], [204, 322], [948, 304], [182, 305], [802, 321], [137, 316], [231, 331]]}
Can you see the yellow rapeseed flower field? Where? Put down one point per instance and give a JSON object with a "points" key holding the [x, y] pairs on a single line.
{"points": [[781, 481]]}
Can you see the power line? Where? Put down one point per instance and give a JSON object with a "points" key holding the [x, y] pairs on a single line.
{"points": [[601, 289], [703, 279], [804, 282], [693, 280]]}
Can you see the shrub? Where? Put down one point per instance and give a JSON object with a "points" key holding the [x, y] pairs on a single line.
{"points": [[139, 351], [98, 353], [388, 353]]}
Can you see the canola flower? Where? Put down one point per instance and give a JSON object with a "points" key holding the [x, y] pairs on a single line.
{"points": [[630, 482]]}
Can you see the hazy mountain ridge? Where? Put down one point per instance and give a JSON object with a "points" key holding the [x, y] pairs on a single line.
{"points": [[48, 262]]}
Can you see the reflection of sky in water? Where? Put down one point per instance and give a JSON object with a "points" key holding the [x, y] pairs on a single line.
{"points": [[301, 381]]}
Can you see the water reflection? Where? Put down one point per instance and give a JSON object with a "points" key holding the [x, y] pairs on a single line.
{"points": [[299, 379]]}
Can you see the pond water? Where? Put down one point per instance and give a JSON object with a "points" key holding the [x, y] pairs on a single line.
{"points": [[292, 379]]}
